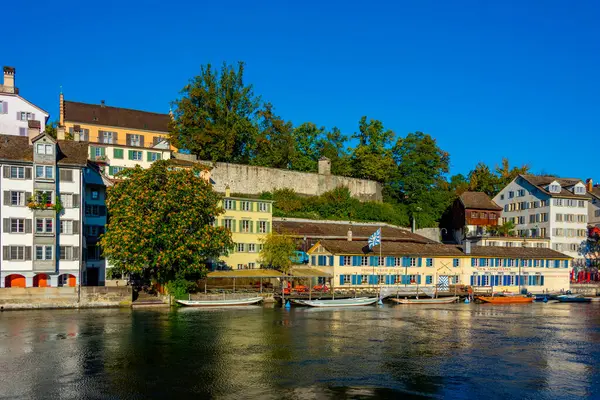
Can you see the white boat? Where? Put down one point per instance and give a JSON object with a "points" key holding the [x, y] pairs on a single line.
{"points": [[359, 301], [220, 303], [439, 300]]}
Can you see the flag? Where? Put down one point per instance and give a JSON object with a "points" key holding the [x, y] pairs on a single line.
{"points": [[375, 239]]}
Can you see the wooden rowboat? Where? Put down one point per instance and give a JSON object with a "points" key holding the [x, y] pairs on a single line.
{"points": [[220, 303], [442, 300], [360, 301], [506, 299], [573, 298]]}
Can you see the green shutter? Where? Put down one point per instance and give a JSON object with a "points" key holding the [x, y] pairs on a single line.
{"points": [[158, 156], [118, 153], [233, 225], [234, 204], [102, 151], [111, 170], [131, 154], [148, 156], [268, 227], [251, 226], [241, 225], [92, 153]]}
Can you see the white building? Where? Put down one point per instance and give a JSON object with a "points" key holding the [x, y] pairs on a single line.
{"points": [[15, 111], [41, 238], [594, 204], [546, 206]]}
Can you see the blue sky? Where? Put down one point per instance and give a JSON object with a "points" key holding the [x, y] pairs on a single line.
{"points": [[516, 79]]}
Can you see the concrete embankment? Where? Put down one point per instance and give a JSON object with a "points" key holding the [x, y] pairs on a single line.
{"points": [[64, 297]]}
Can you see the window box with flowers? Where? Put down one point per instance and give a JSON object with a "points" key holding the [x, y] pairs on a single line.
{"points": [[43, 201]]}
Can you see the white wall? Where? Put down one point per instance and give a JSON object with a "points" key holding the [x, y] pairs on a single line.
{"points": [[9, 125], [594, 211]]}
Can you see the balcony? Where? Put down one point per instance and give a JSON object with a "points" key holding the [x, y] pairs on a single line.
{"points": [[100, 159]]}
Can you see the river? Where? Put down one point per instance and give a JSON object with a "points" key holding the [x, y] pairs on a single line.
{"points": [[539, 351]]}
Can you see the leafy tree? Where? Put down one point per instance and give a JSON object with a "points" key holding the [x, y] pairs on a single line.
{"points": [[161, 224], [332, 146], [216, 116], [458, 184], [277, 251], [481, 179], [372, 156], [50, 128], [275, 145], [307, 138], [506, 174], [506, 229]]}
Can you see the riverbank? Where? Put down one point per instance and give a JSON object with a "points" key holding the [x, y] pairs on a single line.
{"points": [[65, 297]]}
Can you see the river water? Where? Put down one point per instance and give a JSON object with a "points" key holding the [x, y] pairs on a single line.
{"points": [[539, 351]]}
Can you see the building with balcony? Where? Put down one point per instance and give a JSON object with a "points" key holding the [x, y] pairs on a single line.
{"points": [[16, 111], [548, 207], [470, 216], [42, 210], [119, 138]]}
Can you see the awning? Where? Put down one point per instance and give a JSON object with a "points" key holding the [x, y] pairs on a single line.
{"points": [[246, 273], [307, 272]]}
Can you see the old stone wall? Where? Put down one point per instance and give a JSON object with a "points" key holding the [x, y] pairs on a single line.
{"points": [[64, 297], [248, 179]]}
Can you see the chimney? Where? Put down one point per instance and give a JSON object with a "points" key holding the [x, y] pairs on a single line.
{"points": [[589, 184], [60, 133], [467, 247], [9, 79], [227, 191], [102, 104], [77, 133], [324, 166], [61, 109], [350, 234], [33, 129]]}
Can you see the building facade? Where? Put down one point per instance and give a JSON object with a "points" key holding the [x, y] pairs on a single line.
{"points": [[42, 185], [512, 241], [542, 206], [400, 264], [15, 111], [250, 221], [471, 214], [594, 204]]}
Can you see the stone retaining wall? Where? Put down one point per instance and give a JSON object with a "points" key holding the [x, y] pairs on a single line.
{"points": [[64, 297]]}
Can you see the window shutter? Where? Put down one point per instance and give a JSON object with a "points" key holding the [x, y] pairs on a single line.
{"points": [[33, 116], [76, 227], [27, 197], [331, 261], [128, 141], [148, 156], [418, 279], [28, 226], [5, 253], [27, 253], [268, 227], [241, 225], [341, 279], [102, 151], [6, 198], [4, 107], [76, 253], [18, 116], [6, 225], [130, 152], [76, 201], [102, 211], [420, 262], [353, 279], [251, 226], [341, 260], [6, 172], [372, 261], [111, 170], [141, 140], [27, 172]]}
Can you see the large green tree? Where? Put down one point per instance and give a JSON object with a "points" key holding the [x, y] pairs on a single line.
{"points": [[161, 223], [307, 138], [277, 251], [216, 116], [274, 146], [333, 146], [372, 156]]}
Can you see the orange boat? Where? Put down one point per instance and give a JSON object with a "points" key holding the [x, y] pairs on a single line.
{"points": [[506, 299]]}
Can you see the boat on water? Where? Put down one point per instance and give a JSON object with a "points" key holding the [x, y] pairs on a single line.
{"points": [[506, 299], [358, 301], [439, 300], [221, 302], [573, 298]]}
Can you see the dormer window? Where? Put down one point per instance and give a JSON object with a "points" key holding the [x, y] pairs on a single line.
{"points": [[45, 149], [579, 189], [554, 188]]}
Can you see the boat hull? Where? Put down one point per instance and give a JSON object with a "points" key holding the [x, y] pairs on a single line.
{"points": [[356, 302], [506, 300], [220, 303], [567, 299], [446, 300]]}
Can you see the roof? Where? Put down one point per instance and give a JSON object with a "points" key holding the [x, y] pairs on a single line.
{"points": [[340, 247], [479, 201], [595, 191], [308, 272], [187, 163], [17, 148], [541, 181], [246, 273], [115, 116], [337, 230]]}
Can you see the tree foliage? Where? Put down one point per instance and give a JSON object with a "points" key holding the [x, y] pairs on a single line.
{"points": [[161, 223], [483, 179], [277, 251]]}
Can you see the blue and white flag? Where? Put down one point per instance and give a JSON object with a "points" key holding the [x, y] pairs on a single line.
{"points": [[375, 239]]}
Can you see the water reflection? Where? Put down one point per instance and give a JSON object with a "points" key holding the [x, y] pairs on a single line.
{"points": [[538, 351]]}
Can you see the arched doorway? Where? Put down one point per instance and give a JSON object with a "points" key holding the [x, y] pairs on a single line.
{"points": [[41, 280], [14, 280], [67, 280]]}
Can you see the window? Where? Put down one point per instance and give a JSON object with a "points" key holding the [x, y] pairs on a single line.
{"points": [[44, 172], [17, 225], [65, 253], [3, 107], [397, 262], [501, 197], [246, 206], [17, 253], [581, 204], [473, 214], [153, 156], [135, 155], [93, 230], [107, 137], [429, 262], [262, 227], [112, 170], [251, 248], [135, 140], [95, 211], [263, 207], [483, 215], [531, 218], [25, 116], [228, 223], [95, 195], [17, 198], [347, 260], [44, 195], [364, 279], [44, 149], [240, 247], [94, 253], [66, 200], [118, 154], [581, 218], [17, 172], [579, 189], [346, 279], [511, 194], [554, 188], [43, 252], [413, 262], [229, 204], [493, 216], [364, 261], [44, 225], [381, 261], [520, 192], [245, 226], [84, 134], [558, 202], [380, 279], [521, 220], [597, 213], [559, 217], [66, 227]]}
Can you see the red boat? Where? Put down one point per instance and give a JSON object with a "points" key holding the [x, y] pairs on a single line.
{"points": [[506, 299]]}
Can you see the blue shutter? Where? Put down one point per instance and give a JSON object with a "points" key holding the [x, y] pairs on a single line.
{"points": [[472, 280], [313, 260], [373, 261], [542, 280], [472, 262], [341, 279], [355, 261], [481, 261], [420, 262], [372, 280], [341, 260], [419, 279], [505, 280], [389, 261], [353, 279], [388, 280], [331, 261]]}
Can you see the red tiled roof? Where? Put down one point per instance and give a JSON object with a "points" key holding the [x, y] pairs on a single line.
{"points": [[17, 148], [479, 201]]}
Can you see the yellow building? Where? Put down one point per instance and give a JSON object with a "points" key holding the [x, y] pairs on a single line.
{"points": [[119, 137], [249, 221]]}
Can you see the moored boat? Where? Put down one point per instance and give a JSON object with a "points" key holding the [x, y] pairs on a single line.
{"points": [[439, 300], [573, 298], [220, 303], [506, 299], [359, 301]]}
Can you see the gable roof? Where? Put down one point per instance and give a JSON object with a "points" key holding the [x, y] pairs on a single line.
{"points": [[115, 116], [26, 101], [541, 181], [595, 192], [400, 249], [334, 229], [479, 201], [17, 148]]}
